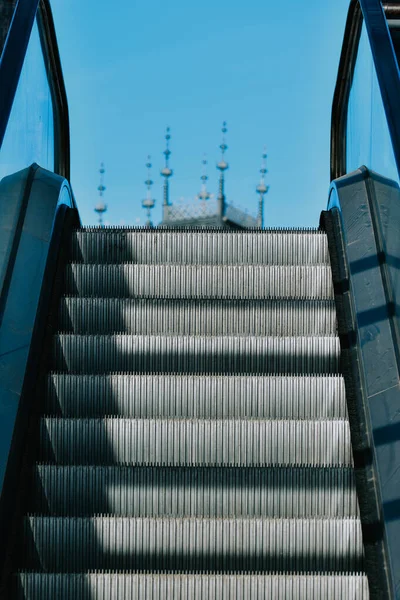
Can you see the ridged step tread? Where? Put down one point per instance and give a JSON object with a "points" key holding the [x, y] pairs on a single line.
{"points": [[195, 354], [197, 317], [209, 545], [181, 442], [199, 247], [198, 281], [196, 396], [194, 491], [102, 586]]}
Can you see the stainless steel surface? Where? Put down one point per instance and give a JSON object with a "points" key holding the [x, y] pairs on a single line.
{"points": [[197, 317], [71, 544], [102, 586], [210, 442], [196, 396], [195, 354], [297, 247], [199, 281], [195, 491]]}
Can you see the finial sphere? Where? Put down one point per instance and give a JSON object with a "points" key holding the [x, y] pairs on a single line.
{"points": [[166, 172], [222, 165], [148, 203]]}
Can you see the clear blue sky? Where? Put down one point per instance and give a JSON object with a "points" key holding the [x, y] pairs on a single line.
{"points": [[267, 67]]}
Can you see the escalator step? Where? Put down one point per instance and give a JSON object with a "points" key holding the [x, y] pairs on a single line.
{"points": [[206, 545], [199, 247], [199, 281], [195, 354], [99, 586], [197, 317], [194, 491], [196, 396], [195, 442]]}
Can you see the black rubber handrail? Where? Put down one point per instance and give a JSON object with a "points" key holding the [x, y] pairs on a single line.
{"points": [[11, 63], [373, 13], [342, 90], [56, 82], [392, 10]]}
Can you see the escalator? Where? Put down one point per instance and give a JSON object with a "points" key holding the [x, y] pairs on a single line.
{"points": [[190, 398], [200, 413]]}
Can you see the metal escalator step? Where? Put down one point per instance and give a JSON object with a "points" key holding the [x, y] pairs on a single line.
{"points": [[230, 442], [194, 491], [195, 354], [208, 545], [199, 247], [102, 586], [199, 281], [197, 317], [196, 396]]}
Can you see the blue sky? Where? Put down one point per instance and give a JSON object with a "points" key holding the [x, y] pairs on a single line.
{"points": [[267, 68]]}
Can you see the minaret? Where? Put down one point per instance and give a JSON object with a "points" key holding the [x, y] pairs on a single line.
{"points": [[149, 202], [166, 172], [262, 189], [100, 207], [222, 166], [204, 194]]}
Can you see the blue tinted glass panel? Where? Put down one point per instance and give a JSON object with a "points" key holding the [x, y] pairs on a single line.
{"points": [[30, 131], [368, 138]]}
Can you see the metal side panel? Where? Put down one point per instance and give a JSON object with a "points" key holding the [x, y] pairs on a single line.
{"points": [[12, 191], [44, 209], [368, 287], [42, 193]]}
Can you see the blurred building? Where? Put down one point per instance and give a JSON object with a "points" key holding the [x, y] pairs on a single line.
{"points": [[206, 210]]}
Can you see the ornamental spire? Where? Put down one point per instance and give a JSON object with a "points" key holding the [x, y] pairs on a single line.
{"points": [[222, 166], [204, 194], [262, 189], [101, 207], [166, 172], [149, 202]]}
